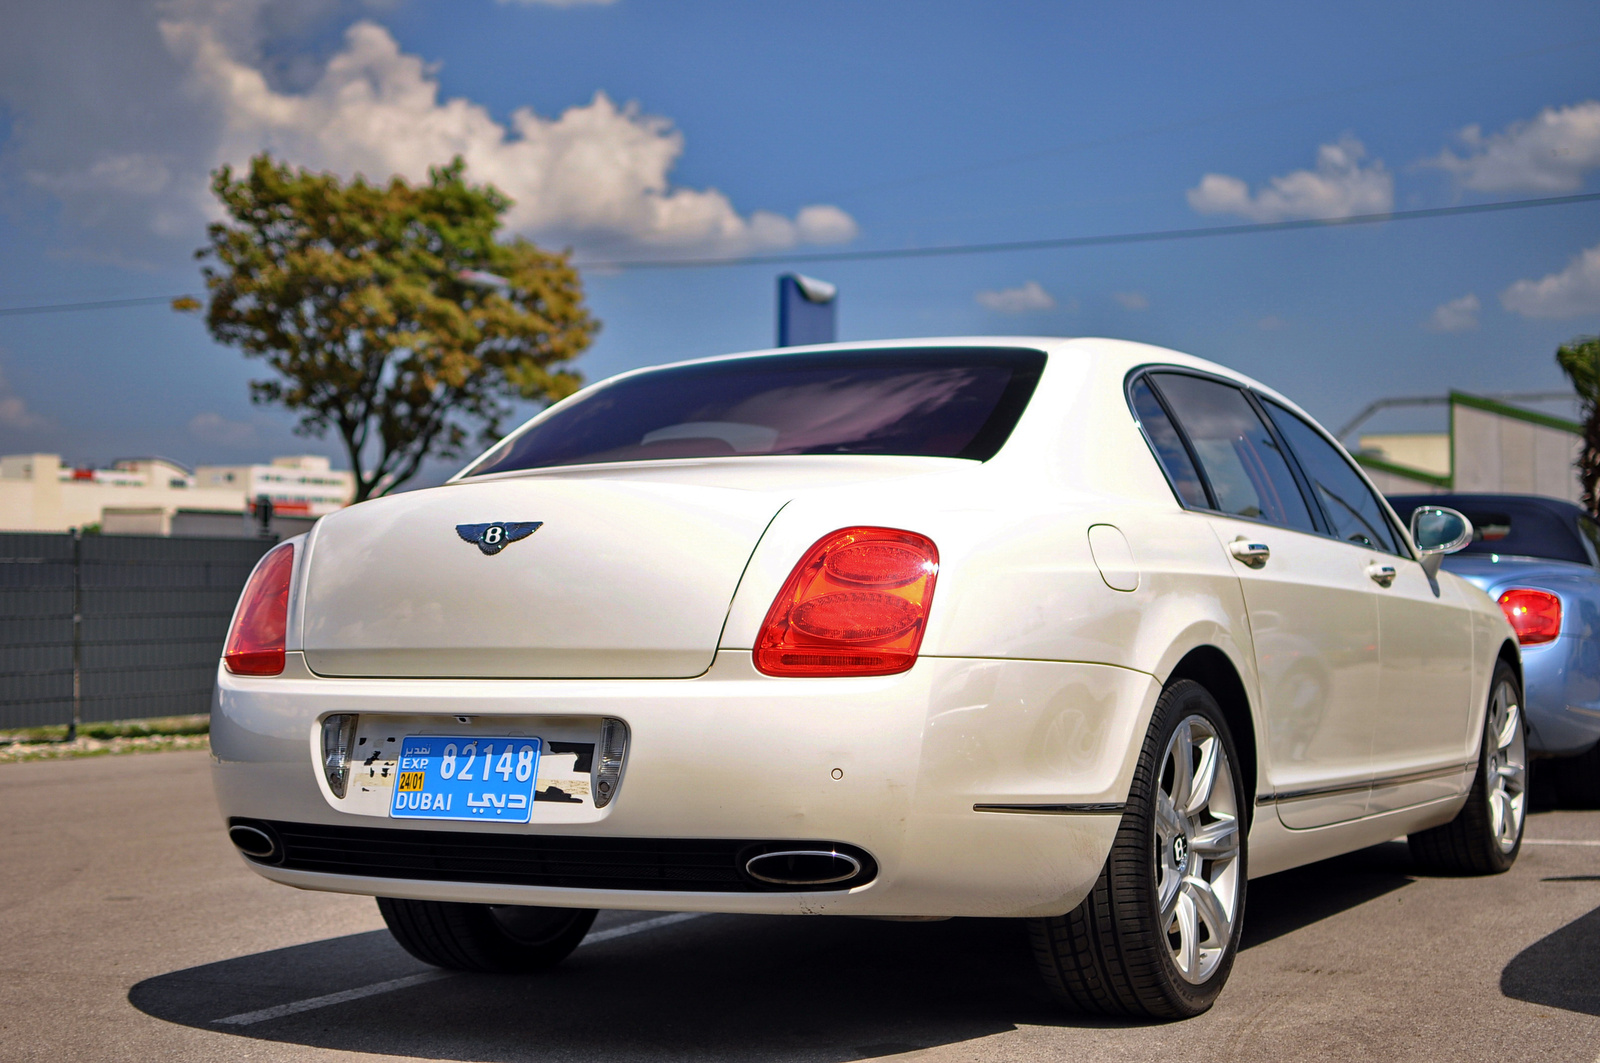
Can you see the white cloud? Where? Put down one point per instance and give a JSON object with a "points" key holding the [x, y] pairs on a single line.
{"points": [[1132, 300], [1573, 292], [218, 430], [824, 224], [1550, 153], [1458, 315], [14, 412], [596, 171], [1029, 298], [1338, 188], [214, 81]]}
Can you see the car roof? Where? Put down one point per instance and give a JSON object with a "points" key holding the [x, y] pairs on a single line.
{"points": [[1107, 353]]}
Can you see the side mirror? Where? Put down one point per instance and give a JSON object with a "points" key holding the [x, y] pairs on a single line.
{"points": [[1438, 531]]}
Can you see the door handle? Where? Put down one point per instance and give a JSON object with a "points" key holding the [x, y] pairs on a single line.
{"points": [[1253, 554], [1381, 574]]}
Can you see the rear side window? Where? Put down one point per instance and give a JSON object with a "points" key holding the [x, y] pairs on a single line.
{"points": [[944, 402], [1169, 449], [1351, 507], [1249, 475]]}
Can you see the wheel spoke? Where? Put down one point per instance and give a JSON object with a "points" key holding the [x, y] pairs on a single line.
{"points": [[1167, 893], [1497, 814], [1188, 956], [1182, 765], [1208, 906], [1508, 730], [1168, 821], [1218, 840], [1205, 777]]}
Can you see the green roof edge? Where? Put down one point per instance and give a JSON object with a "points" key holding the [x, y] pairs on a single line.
{"points": [[1406, 471], [1561, 424]]}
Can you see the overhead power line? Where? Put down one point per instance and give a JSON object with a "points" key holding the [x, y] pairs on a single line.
{"points": [[948, 250], [1150, 237], [103, 304]]}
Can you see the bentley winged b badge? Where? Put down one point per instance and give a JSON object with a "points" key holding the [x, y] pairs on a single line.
{"points": [[492, 538]]}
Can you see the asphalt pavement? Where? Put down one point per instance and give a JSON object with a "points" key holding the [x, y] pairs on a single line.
{"points": [[129, 929]]}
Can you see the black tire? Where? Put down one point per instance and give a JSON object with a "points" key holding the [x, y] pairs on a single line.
{"points": [[493, 939], [1111, 955], [1577, 779], [1472, 844]]}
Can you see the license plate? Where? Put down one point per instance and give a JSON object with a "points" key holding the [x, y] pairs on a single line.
{"points": [[474, 779]]}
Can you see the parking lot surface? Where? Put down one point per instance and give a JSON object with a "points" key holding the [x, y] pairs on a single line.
{"points": [[130, 930]]}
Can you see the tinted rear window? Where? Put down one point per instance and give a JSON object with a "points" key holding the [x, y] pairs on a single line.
{"points": [[1505, 527], [946, 403]]}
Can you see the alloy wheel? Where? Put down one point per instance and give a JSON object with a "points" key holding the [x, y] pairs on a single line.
{"points": [[1197, 849], [1507, 767]]}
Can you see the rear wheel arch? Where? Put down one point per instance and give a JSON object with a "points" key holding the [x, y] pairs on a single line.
{"points": [[1513, 657], [1212, 669]]}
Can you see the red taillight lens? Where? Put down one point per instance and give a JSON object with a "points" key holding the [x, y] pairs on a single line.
{"points": [[1534, 615], [255, 645], [856, 604]]}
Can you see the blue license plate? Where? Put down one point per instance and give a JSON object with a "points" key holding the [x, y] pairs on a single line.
{"points": [[474, 779]]}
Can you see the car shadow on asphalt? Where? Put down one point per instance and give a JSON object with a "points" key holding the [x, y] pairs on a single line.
{"points": [[712, 988], [1283, 903], [1560, 970]]}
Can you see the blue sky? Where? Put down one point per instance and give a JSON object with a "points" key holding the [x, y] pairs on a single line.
{"points": [[647, 129]]}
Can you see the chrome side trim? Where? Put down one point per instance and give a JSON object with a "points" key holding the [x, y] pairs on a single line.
{"points": [[1356, 788], [1055, 810]]}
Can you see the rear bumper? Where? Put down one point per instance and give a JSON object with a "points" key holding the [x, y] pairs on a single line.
{"points": [[737, 755], [1561, 682]]}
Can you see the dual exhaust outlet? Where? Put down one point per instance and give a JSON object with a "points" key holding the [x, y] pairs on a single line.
{"points": [[776, 865], [803, 867]]}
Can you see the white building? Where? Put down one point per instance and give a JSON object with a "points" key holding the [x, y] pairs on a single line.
{"points": [[1491, 448], [155, 496], [302, 486]]}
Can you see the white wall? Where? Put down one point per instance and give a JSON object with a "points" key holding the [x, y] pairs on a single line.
{"points": [[1495, 453]]}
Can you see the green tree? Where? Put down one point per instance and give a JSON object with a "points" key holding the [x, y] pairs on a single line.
{"points": [[1580, 360], [389, 313]]}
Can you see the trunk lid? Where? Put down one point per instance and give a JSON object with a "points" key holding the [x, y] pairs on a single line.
{"points": [[622, 579]]}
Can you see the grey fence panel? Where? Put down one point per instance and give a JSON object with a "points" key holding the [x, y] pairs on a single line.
{"points": [[36, 578], [151, 616]]}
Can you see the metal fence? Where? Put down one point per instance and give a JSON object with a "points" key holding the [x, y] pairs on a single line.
{"points": [[114, 627]]}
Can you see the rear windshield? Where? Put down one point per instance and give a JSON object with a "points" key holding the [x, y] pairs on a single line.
{"points": [[944, 403], [1505, 527]]}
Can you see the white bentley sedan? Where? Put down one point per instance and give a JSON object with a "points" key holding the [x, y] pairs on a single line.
{"points": [[1082, 632]]}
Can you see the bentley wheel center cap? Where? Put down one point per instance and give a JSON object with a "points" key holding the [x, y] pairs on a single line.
{"points": [[1180, 851]]}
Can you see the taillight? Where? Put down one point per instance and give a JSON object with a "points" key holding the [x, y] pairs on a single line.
{"points": [[856, 604], [1534, 615], [255, 645]]}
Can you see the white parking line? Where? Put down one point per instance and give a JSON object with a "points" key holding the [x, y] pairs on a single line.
{"points": [[1558, 841], [643, 924], [312, 1003], [295, 1007]]}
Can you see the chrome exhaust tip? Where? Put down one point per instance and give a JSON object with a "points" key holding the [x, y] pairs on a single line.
{"points": [[254, 842], [803, 867]]}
